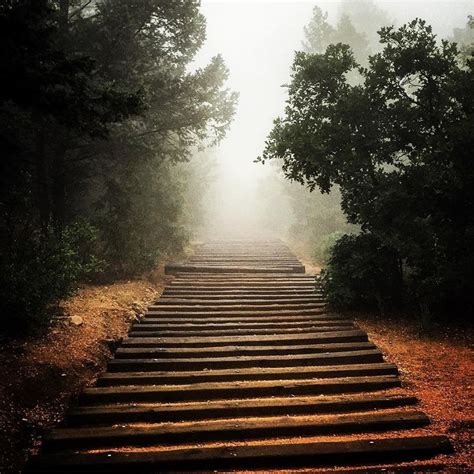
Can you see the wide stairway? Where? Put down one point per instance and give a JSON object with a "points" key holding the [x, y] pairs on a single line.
{"points": [[237, 366]]}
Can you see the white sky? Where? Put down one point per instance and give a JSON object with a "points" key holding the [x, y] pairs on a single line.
{"points": [[257, 40]]}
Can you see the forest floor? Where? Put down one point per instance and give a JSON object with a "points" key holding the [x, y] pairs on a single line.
{"points": [[40, 376], [437, 366]]}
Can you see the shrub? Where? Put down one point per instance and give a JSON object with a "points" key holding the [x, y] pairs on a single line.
{"points": [[40, 270], [362, 272], [323, 248]]}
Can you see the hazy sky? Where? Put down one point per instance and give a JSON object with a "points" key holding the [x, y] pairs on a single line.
{"points": [[257, 40]]}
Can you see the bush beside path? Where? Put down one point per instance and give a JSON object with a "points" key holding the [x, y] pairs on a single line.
{"points": [[41, 375]]}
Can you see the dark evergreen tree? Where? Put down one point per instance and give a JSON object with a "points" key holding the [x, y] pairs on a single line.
{"points": [[97, 105]]}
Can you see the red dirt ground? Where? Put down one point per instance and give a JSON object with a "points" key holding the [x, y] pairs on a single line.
{"points": [[39, 377]]}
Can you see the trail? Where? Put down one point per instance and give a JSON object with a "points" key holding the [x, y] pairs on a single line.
{"points": [[239, 365]]}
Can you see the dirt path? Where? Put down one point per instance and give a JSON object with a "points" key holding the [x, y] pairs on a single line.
{"points": [[40, 376], [437, 365]]}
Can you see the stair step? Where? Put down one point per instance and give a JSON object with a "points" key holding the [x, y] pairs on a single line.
{"points": [[261, 373], [215, 307], [144, 327], [238, 286], [250, 294], [180, 301], [191, 318], [199, 325], [239, 313], [245, 279], [302, 405], [181, 433], [353, 335], [240, 389], [336, 358], [159, 352], [263, 455], [173, 269]]}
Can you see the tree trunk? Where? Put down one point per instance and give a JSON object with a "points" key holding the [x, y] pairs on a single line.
{"points": [[64, 16], [59, 186], [59, 168], [42, 178]]}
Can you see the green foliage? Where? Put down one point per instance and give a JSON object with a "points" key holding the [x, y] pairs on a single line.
{"points": [[464, 37], [136, 196], [140, 219], [41, 269], [312, 218], [323, 249], [99, 104], [398, 146], [362, 272], [367, 17], [319, 34]]}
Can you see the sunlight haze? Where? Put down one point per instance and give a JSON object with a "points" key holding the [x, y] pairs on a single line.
{"points": [[257, 40]]}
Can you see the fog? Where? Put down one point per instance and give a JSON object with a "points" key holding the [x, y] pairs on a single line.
{"points": [[257, 40]]}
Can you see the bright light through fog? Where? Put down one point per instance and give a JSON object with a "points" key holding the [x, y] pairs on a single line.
{"points": [[257, 40]]}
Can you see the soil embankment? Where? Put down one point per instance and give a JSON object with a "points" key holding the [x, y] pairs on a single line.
{"points": [[40, 376]]}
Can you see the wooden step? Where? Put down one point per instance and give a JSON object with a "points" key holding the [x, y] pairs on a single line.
{"points": [[171, 269], [269, 277], [158, 352], [246, 287], [236, 313], [301, 301], [263, 456], [233, 326], [149, 340], [262, 373], [302, 405], [238, 308], [155, 328], [249, 323], [240, 389], [292, 360], [191, 318], [247, 294], [244, 262], [241, 429], [199, 325], [248, 278], [179, 284]]}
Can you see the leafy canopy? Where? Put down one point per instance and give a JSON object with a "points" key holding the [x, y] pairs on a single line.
{"points": [[398, 145]]}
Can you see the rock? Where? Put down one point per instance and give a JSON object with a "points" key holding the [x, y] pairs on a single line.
{"points": [[77, 320], [112, 344], [91, 364]]}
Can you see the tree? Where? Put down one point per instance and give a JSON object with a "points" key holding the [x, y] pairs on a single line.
{"points": [[398, 146], [464, 37], [185, 110], [97, 106], [367, 17], [319, 34], [56, 95]]}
